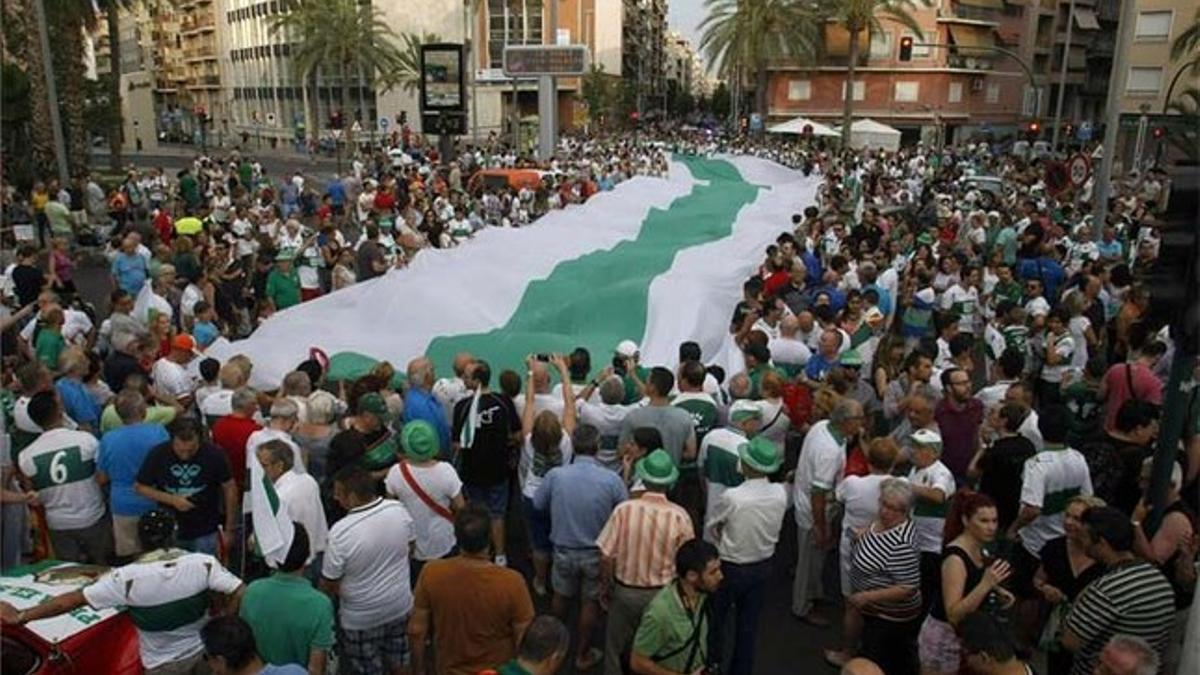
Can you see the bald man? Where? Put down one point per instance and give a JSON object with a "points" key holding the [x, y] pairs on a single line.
{"points": [[543, 399], [788, 351], [420, 403], [861, 666]]}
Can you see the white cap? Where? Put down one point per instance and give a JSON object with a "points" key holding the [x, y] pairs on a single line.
{"points": [[627, 348], [927, 437]]}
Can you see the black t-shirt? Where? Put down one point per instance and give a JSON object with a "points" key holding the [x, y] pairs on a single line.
{"points": [[1032, 247], [199, 479], [27, 283], [485, 463], [119, 366], [369, 253], [1059, 574], [1001, 468]]}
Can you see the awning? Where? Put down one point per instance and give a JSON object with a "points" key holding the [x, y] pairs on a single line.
{"points": [[837, 41], [989, 4], [967, 37], [1085, 18]]}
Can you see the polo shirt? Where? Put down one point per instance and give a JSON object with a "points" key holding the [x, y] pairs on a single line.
{"points": [[746, 521], [166, 594], [718, 459], [581, 497], [821, 464], [1050, 480], [642, 536], [367, 552], [290, 618], [668, 630], [929, 518], [61, 465]]}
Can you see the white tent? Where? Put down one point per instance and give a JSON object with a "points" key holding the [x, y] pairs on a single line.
{"points": [[868, 133], [796, 126]]}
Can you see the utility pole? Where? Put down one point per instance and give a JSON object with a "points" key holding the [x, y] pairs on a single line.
{"points": [[472, 61], [1062, 77], [60, 145], [1112, 114]]}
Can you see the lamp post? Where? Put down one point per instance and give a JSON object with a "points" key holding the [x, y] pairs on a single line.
{"points": [[1062, 78]]}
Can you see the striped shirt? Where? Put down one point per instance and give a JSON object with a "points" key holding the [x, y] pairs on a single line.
{"points": [[642, 536], [1133, 598], [885, 559]]}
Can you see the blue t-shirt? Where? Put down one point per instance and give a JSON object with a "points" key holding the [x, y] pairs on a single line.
{"points": [[817, 367], [130, 272], [337, 193], [287, 669], [205, 333], [122, 452], [77, 402]]}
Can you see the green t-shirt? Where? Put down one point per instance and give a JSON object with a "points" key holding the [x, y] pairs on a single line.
{"points": [[283, 289], [155, 414], [1086, 407], [59, 217], [631, 392], [48, 347], [289, 617], [671, 636], [703, 410]]}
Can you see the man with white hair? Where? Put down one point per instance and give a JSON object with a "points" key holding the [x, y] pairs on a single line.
{"points": [[451, 390], [607, 415], [420, 403], [297, 491], [284, 413], [1127, 655]]}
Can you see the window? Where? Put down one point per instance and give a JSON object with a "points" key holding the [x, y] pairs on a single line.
{"points": [[860, 90], [1153, 26], [907, 92], [993, 93], [1144, 80], [799, 90], [918, 51], [881, 45], [506, 25], [955, 92]]}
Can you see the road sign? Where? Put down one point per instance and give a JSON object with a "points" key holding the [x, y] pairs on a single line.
{"points": [[536, 60], [1079, 168], [337, 134], [1084, 133], [383, 124], [271, 118], [356, 127]]}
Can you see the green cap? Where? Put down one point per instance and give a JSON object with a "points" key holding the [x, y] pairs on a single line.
{"points": [[851, 357], [761, 455], [285, 254], [743, 409], [374, 404], [419, 440], [657, 468]]}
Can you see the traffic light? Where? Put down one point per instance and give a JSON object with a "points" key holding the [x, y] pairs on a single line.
{"points": [[1034, 128], [1159, 132], [335, 120], [403, 118], [906, 45]]}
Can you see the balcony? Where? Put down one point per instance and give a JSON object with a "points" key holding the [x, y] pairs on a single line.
{"points": [[970, 62], [198, 23], [206, 52], [971, 13], [204, 82]]}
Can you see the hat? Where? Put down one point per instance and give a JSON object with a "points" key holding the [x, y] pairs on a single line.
{"points": [[927, 437], [744, 409], [627, 348], [419, 440], [851, 358], [184, 342], [760, 454], [657, 468], [157, 526], [374, 404], [285, 254], [873, 314]]}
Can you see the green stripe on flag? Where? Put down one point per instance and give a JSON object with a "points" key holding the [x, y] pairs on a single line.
{"points": [[601, 298]]}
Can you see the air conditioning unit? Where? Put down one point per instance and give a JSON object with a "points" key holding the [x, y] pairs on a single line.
{"points": [[976, 84]]}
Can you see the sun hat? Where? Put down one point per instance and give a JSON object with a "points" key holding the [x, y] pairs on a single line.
{"points": [[927, 437], [851, 358], [419, 440], [374, 404], [657, 468], [743, 409], [761, 455], [627, 348]]}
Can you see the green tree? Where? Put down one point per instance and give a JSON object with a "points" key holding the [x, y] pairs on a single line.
{"points": [[68, 19], [20, 37], [857, 17], [408, 75], [750, 34], [1187, 137], [112, 10], [1187, 44], [721, 101], [598, 91]]}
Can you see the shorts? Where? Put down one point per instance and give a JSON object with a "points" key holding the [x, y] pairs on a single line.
{"points": [[376, 650], [492, 497], [92, 544], [539, 527], [1024, 567], [125, 535], [575, 571], [938, 646]]}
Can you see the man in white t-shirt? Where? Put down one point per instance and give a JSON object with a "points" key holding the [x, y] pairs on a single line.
{"points": [[298, 492], [429, 489], [1060, 349], [61, 466], [932, 484], [818, 474], [719, 452], [366, 567], [172, 381], [284, 414], [788, 352], [607, 416], [450, 390]]}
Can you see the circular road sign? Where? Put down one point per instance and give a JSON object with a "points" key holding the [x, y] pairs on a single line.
{"points": [[1079, 168]]}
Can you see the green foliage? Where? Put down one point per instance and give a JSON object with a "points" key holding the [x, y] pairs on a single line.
{"points": [[599, 91], [721, 101], [408, 75], [1187, 104], [343, 35]]}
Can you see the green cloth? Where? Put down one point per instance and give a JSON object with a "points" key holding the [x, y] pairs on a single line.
{"points": [[283, 289], [631, 391], [49, 346], [289, 617], [155, 414], [1007, 291], [668, 630], [704, 415], [756, 377], [189, 189], [59, 217]]}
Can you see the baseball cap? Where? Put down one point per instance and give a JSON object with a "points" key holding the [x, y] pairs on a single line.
{"points": [[184, 342], [627, 348], [743, 409], [927, 437]]}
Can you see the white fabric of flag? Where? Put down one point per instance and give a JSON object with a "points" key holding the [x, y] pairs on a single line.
{"points": [[273, 528]]}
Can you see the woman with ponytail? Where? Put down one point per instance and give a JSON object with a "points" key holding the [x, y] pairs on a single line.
{"points": [[970, 579]]}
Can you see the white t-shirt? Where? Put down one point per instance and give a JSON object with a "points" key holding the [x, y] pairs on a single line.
{"points": [[822, 463], [171, 378], [61, 464], [181, 581], [1077, 327], [965, 301], [367, 552], [789, 351], [930, 519], [607, 419], [859, 497], [435, 534], [187, 302], [1050, 479], [1064, 345], [541, 402], [25, 423], [301, 495], [1037, 307], [76, 326], [531, 480]]}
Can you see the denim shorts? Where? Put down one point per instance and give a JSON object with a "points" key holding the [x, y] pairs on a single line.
{"points": [[539, 527], [576, 571], [494, 498]]}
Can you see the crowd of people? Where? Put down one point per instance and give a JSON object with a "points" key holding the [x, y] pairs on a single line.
{"points": [[944, 428]]}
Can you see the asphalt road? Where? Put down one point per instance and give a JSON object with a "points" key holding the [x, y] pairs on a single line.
{"points": [[277, 162]]}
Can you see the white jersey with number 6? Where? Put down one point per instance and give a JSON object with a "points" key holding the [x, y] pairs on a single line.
{"points": [[61, 464]]}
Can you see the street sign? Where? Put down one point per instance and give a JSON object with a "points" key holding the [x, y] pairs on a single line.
{"points": [[536, 60], [271, 118], [1079, 168], [356, 127], [337, 134], [383, 124], [1084, 133]]}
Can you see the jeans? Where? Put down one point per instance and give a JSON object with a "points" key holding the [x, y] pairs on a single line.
{"points": [[741, 590], [203, 544]]}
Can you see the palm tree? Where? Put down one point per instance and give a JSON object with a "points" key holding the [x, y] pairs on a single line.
{"points": [[342, 34], [41, 144], [408, 75], [1187, 104], [1187, 44], [857, 16], [112, 10], [68, 19], [752, 34]]}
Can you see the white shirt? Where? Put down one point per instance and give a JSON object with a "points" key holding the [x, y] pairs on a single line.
{"points": [[24, 422], [1051, 479], [541, 402], [171, 378], [929, 519], [530, 480], [435, 534], [1064, 346], [789, 351], [448, 391], [268, 434], [607, 419], [822, 462], [187, 302], [76, 326], [993, 395], [859, 496], [301, 495], [772, 332], [367, 552], [746, 521], [61, 464], [1029, 429]]}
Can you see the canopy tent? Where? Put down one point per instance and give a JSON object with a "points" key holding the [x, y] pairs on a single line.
{"points": [[868, 133], [796, 126]]}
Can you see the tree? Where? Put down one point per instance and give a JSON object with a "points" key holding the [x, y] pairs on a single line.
{"points": [[112, 10], [20, 36], [739, 34], [598, 91], [1187, 44], [721, 101], [409, 74], [1187, 138], [857, 16], [68, 19]]}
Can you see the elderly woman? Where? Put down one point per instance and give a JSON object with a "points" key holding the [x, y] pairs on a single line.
{"points": [[885, 580], [314, 434], [1066, 569]]}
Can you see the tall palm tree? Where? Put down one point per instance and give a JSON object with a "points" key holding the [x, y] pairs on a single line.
{"points": [[41, 138], [752, 34], [68, 19], [341, 34], [408, 74], [1187, 104], [857, 17], [112, 10], [1187, 44]]}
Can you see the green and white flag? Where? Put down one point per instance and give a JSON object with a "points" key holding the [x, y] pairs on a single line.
{"points": [[273, 528]]}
